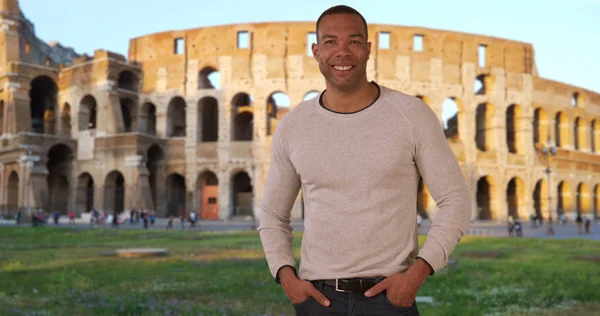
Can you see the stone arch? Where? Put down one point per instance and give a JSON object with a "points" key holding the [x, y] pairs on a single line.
{"points": [[127, 81], [86, 117], [564, 203], [452, 112], [129, 114], [484, 84], [515, 198], [579, 134], [12, 192], [242, 194], [59, 165], [208, 120], [85, 193], [311, 95], [541, 198], [209, 78], [176, 118], [485, 198], [576, 100], [65, 119], [243, 117], [278, 104], [208, 194], [114, 192], [595, 136], [147, 122], [176, 195], [155, 164], [541, 126], [584, 199], [43, 97], [561, 130], [514, 129], [485, 127]]}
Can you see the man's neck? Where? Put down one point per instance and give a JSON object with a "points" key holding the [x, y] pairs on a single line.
{"points": [[350, 101]]}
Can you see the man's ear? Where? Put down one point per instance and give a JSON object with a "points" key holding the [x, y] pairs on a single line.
{"points": [[315, 50]]}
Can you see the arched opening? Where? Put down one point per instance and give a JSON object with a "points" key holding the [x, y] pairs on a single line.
{"points": [[129, 114], [484, 129], [242, 194], [148, 119], [564, 201], [561, 130], [209, 78], [127, 81], [310, 95], [85, 193], [450, 112], [541, 198], [575, 99], [154, 164], [43, 98], [243, 114], [515, 193], [595, 136], [60, 160], [484, 199], [176, 195], [114, 193], [540, 127], [65, 119], [278, 104], [208, 120], [208, 189], [483, 85], [176, 118], [514, 129], [422, 198], [12, 193], [579, 133], [584, 199], [87, 113]]}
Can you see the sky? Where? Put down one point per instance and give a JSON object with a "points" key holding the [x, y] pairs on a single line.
{"points": [[565, 33]]}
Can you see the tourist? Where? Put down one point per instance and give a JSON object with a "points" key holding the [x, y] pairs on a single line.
{"points": [[357, 151]]}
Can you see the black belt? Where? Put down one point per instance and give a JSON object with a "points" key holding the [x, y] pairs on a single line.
{"points": [[352, 285]]}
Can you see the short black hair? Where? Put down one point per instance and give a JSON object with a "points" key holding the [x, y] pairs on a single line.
{"points": [[341, 9]]}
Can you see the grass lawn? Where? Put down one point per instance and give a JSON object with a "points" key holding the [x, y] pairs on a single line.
{"points": [[49, 271]]}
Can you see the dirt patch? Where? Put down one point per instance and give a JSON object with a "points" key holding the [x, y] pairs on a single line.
{"points": [[595, 259], [492, 254]]}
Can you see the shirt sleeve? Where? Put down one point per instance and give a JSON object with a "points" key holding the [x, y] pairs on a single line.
{"points": [[281, 189], [446, 183]]}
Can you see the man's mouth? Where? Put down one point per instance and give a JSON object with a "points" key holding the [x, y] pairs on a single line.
{"points": [[342, 67]]}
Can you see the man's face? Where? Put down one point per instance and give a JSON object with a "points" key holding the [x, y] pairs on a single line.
{"points": [[342, 51]]}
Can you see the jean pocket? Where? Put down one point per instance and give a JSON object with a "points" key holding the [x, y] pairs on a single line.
{"points": [[401, 308]]}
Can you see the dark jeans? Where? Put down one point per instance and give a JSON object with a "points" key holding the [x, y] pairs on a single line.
{"points": [[352, 304]]}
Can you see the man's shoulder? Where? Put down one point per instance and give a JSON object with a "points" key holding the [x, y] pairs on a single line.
{"points": [[401, 101], [295, 116]]}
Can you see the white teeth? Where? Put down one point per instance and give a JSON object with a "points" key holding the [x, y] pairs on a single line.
{"points": [[342, 67]]}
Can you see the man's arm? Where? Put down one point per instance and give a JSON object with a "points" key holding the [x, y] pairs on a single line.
{"points": [[281, 189], [444, 179]]}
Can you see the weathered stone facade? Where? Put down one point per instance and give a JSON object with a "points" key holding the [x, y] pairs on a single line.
{"points": [[156, 132]]}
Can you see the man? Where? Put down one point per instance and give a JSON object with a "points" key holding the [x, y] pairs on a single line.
{"points": [[357, 151]]}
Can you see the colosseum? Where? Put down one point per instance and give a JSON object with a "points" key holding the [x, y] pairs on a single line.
{"points": [[185, 120]]}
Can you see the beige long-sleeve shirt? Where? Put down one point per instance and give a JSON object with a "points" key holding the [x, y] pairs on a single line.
{"points": [[359, 175]]}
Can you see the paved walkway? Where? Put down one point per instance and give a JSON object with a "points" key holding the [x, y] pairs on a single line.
{"points": [[476, 228]]}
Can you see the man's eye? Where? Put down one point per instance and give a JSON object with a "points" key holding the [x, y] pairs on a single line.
{"points": [[329, 42]]}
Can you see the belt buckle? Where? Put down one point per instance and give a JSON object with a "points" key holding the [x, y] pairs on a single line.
{"points": [[337, 287]]}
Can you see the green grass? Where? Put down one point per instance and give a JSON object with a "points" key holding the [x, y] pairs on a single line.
{"points": [[48, 271]]}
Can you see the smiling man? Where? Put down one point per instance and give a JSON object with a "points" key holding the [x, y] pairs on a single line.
{"points": [[357, 151]]}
